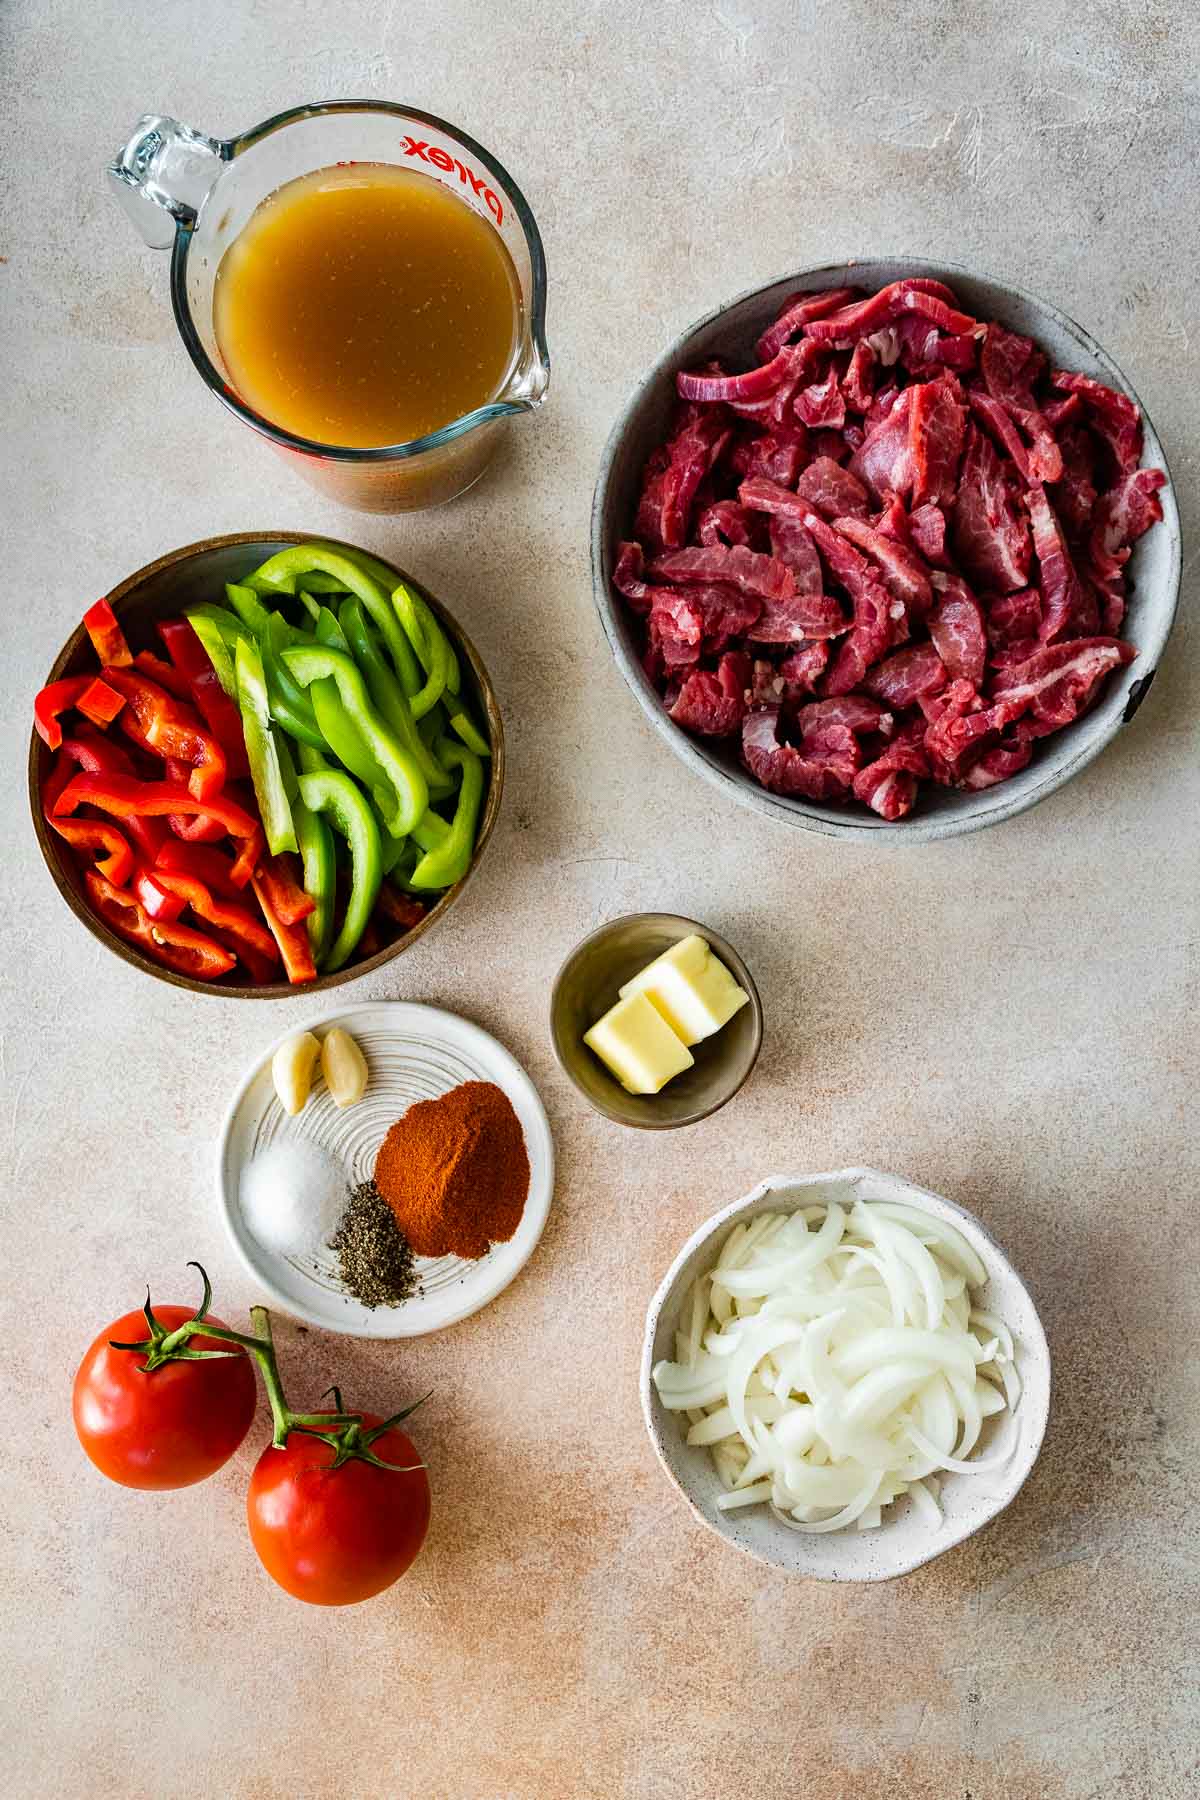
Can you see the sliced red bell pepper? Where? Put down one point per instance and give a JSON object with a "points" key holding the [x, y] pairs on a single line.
{"points": [[213, 703], [289, 901], [100, 703], [210, 866], [55, 698], [239, 928], [108, 640], [156, 721], [165, 673], [292, 939], [196, 829], [176, 946], [97, 755], [117, 863], [160, 902], [127, 798], [400, 909]]}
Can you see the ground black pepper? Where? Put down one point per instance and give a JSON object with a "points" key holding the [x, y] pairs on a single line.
{"points": [[373, 1253]]}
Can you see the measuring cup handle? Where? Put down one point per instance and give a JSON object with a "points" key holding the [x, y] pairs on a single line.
{"points": [[164, 175]]}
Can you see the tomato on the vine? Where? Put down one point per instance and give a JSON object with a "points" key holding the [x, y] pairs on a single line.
{"points": [[167, 1427], [333, 1536]]}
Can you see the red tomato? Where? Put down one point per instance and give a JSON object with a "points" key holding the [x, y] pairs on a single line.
{"points": [[334, 1536], [168, 1428]]}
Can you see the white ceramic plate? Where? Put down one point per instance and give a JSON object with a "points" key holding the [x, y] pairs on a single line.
{"points": [[906, 1539], [413, 1053]]}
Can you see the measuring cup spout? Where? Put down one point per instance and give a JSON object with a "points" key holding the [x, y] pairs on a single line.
{"points": [[163, 176]]}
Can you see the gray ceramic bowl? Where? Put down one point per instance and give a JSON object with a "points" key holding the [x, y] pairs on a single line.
{"points": [[906, 1539], [1154, 568], [160, 591], [585, 988]]}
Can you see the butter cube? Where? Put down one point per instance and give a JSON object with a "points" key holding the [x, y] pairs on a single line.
{"points": [[691, 988], [640, 1048]]}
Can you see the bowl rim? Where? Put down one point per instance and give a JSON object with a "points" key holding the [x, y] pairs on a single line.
{"points": [[728, 955], [977, 813], [907, 1192], [49, 844]]}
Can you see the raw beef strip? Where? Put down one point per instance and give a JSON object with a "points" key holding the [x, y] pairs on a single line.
{"points": [[822, 406], [991, 536], [1064, 409], [964, 728], [805, 666], [927, 528], [792, 546], [796, 620], [858, 383], [1008, 757], [882, 405], [647, 524], [725, 522], [879, 620], [889, 784], [1044, 456], [925, 351], [676, 628], [817, 774], [850, 323], [1002, 427], [1113, 415], [796, 314], [883, 462], [936, 421], [835, 445], [1122, 515], [714, 705], [1014, 618], [1064, 602], [749, 570], [902, 572], [957, 630], [627, 577], [1074, 495], [760, 383], [817, 722], [831, 490], [777, 455], [1060, 681], [902, 680], [1010, 364]]}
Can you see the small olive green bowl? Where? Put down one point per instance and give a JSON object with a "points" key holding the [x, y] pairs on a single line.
{"points": [[160, 591], [587, 985]]}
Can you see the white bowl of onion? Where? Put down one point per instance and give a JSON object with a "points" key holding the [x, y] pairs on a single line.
{"points": [[844, 1375]]}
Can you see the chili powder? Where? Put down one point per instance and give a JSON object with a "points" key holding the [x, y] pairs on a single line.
{"points": [[455, 1171]]}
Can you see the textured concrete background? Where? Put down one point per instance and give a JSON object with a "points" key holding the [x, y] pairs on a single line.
{"points": [[1008, 1018]]}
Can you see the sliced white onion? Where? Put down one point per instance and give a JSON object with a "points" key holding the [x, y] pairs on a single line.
{"points": [[832, 1362]]}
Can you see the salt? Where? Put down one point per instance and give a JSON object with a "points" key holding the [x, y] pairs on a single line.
{"points": [[293, 1196]]}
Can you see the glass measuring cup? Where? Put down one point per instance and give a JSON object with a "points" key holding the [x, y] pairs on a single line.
{"points": [[194, 194]]}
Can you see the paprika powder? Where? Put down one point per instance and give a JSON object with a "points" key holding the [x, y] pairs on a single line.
{"points": [[455, 1171]]}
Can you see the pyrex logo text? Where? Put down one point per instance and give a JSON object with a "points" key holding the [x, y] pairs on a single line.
{"points": [[431, 153]]}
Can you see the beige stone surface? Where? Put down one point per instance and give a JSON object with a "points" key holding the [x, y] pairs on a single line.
{"points": [[1008, 1018]]}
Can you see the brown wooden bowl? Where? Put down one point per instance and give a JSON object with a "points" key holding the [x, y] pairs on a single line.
{"points": [[162, 589]]}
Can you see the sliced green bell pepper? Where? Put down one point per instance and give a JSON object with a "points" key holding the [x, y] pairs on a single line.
{"points": [[329, 791], [431, 645], [386, 692], [315, 843], [448, 862], [248, 607], [219, 632], [262, 752], [462, 722], [291, 707], [285, 571], [404, 796]]}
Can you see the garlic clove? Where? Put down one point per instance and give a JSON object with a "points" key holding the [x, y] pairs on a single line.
{"points": [[344, 1067], [292, 1070]]}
